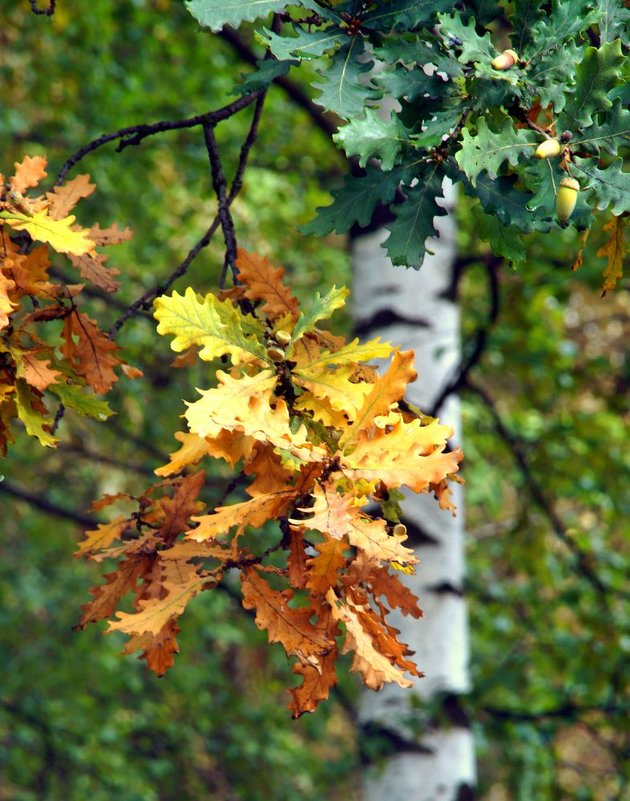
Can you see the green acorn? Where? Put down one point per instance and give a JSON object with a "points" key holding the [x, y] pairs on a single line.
{"points": [[548, 149], [566, 198], [507, 59]]}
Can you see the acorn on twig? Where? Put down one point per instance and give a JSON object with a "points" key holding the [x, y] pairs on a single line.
{"points": [[548, 149], [566, 198], [507, 59]]}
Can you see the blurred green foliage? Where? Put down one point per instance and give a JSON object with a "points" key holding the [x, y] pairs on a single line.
{"points": [[77, 720]]}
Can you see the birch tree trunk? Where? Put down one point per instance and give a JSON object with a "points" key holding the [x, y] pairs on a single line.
{"points": [[433, 756]]}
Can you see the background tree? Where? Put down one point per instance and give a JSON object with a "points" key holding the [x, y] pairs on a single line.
{"points": [[541, 716]]}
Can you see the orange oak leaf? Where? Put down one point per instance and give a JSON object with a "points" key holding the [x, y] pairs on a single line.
{"points": [[102, 536], [292, 628], [157, 650], [118, 583], [109, 236], [322, 570], [64, 198], [181, 582], [318, 680], [297, 558], [37, 372], [255, 512], [179, 509], [91, 266], [376, 668], [614, 250], [265, 464], [93, 354], [7, 306], [263, 282], [30, 272], [28, 173], [388, 390]]}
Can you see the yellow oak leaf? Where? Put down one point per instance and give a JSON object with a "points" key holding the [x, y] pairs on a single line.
{"points": [[193, 449], [338, 515], [57, 233], [247, 404], [354, 351], [409, 454], [35, 423], [218, 327], [335, 386], [321, 410]]}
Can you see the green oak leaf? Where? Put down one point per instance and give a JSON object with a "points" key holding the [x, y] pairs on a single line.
{"points": [[77, 398], [595, 75], [413, 225], [567, 20], [474, 48], [321, 309], [504, 240], [303, 44], [417, 51], [609, 133], [343, 88], [554, 76], [614, 21], [487, 150], [404, 14], [610, 185], [214, 14], [372, 137], [412, 84], [356, 200], [502, 199], [34, 423]]}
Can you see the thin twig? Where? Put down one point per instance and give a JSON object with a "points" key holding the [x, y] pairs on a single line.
{"points": [[134, 134], [538, 496], [220, 186], [47, 12]]}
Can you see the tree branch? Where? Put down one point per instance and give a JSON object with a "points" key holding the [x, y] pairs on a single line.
{"points": [[42, 503], [516, 447]]}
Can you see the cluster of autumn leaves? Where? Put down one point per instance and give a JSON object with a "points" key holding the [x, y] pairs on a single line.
{"points": [[325, 442], [48, 348]]}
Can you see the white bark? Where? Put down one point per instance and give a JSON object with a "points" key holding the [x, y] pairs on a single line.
{"points": [[439, 763]]}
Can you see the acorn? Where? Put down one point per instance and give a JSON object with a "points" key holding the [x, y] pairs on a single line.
{"points": [[566, 198], [399, 530], [548, 149], [282, 336], [507, 59], [276, 354]]}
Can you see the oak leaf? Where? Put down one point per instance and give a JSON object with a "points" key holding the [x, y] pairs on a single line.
{"points": [[117, 584], [64, 198], [102, 536], [254, 512], [157, 649], [322, 569], [57, 233], [264, 282], [28, 173], [218, 327], [7, 307], [37, 372], [192, 450], [179, 509], [614, 250], [28, 410], [91, 266], [93, 355]]}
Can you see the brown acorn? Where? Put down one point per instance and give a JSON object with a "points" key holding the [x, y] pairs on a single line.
{"points": [[276, 354], [282, 336], [399, 530]]}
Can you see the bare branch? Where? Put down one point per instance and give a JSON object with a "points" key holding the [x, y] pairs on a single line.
{"points": [[44, 504]]}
